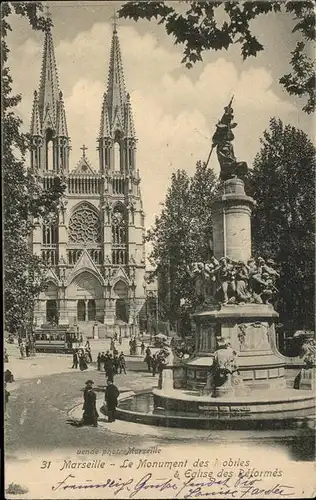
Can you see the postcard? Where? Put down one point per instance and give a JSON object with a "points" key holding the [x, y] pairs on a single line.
{"points": [[158, 172]]}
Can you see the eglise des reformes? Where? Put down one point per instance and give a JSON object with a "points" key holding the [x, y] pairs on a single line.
{"points": [[94, 248]]}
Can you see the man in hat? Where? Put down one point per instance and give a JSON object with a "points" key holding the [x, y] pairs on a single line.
{"points": [[111, 395], [90, 414], [109, 368], [122, 363]]}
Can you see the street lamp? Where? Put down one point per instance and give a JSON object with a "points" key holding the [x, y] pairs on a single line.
{"points": [[62, 270]]}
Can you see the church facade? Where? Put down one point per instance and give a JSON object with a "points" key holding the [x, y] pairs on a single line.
{"points": [[94, 248]]}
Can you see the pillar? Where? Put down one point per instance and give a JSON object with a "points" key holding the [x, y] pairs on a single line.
{"points": [[86, 310], [231, 212]]}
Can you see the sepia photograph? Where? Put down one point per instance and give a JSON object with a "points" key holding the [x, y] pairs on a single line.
{"points": [[158, 187]]}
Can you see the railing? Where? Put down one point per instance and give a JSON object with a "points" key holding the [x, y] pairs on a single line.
{"points": [[119, 185], [119, 255], [75, 254], [84, 185], [48, 181], [50, 257]]}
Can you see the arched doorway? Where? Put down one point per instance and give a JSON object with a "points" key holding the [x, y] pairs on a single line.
{"points": [[91, 310], [81, 310], [122, 303], [51, 311], [87, 291]]}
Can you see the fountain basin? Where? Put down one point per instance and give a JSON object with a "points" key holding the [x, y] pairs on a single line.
{"points": [[183, 409]]}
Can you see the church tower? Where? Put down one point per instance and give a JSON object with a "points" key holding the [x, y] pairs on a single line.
{"points": [[94, 250], [50, 140]]}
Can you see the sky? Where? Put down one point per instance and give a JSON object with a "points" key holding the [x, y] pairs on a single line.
{"points": [[175, 109]]}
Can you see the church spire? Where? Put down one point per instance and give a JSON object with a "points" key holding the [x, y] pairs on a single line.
{"points": [[116, 93], [50, 140], [49, 86], [117, 126]]}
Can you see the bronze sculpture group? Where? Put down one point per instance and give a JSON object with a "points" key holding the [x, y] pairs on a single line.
{"points": [[222, 141], [229, 282]]}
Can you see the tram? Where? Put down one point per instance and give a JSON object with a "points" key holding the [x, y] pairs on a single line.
{"points": [[51, 338]]}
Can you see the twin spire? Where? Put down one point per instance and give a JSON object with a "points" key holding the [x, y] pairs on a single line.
{"points": [[48, 105], [116, 115]]}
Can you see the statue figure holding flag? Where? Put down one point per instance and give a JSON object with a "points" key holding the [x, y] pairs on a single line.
{"points": [[222, 140]]}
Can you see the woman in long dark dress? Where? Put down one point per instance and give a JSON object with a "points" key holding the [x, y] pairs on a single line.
{"points": [[82, 361], [90, 414]]}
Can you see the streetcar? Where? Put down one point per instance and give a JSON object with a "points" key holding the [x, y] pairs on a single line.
{"points": [[60, 339]]}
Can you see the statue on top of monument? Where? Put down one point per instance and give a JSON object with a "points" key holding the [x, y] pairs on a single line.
{"points": [[222, 140]]}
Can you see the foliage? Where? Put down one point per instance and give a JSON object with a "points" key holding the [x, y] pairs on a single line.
{"points": [[24, 199], [16, 489], [283, 185], [180, 236], [198, 29]]}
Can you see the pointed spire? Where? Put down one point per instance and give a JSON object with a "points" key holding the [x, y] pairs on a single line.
{"points": [[105, 129], [116, 109], [129, 122], [116, 93], [49, 87], [35, 121], [61, 117]]}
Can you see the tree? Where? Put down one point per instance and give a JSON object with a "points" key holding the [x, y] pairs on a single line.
{"points": [[283, 184], [180, 236], [170, 250], [198, 29], [24, 199], [202, 189]]}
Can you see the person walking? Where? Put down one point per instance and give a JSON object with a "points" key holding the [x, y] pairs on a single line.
{"points": [[6, 397], [99, 362], [142, 348], [27, 348], [75, 358], [82, 360], [154, 364], [148, 359], [22, 350], [120, 339], [102, 361], [89, 355], [116, 364], [90, 414], [109, 369], [111, 395], [122, 363]]}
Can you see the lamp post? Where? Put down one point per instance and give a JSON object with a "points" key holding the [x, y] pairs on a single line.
{"points": [[62, 271]]}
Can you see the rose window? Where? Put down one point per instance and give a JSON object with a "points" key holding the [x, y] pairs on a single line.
{"points": [[84, 226]]}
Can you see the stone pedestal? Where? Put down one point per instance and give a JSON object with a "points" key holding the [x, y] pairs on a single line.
{"points": [[250, 330], [231, 212]]}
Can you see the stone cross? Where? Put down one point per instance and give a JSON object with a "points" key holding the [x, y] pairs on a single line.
{"points": [[84, 148]]}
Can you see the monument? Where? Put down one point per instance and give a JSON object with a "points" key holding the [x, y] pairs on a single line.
{"points": [[236, 371]]}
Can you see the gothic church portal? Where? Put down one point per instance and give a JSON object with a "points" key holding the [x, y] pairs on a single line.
{"points": [[94, 249]]}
